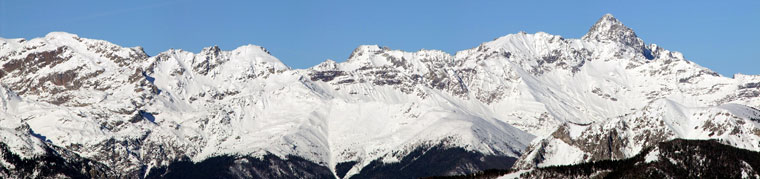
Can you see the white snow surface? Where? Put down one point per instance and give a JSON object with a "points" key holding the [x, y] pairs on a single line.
{"points": [[379, 104], [652, 156], [514, 175]]}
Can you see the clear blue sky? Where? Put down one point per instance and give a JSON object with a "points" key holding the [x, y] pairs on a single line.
{"points": [[721, 35]]}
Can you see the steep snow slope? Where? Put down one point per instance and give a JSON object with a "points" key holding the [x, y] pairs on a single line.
{"points": [[137, 113], [626, 136], [651, 99], [297, 112], [241, 102]]}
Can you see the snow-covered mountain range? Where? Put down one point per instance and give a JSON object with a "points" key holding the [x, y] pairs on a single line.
{"points": [[528, 99]]}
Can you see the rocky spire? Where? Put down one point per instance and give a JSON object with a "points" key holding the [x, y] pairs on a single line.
{"points": [[608, 28]]}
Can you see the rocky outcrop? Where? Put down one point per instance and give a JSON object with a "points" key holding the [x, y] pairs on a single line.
{"points": [[605, 96]]}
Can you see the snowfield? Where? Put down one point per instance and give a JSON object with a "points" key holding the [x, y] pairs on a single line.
{"points": [[538, 97]]}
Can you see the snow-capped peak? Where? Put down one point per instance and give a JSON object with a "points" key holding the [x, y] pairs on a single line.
{"points": [[380, 105], [608, 28], [328, 64], [261, 55], [364, 49], [54, 35], [244, 62], [211, 50]]}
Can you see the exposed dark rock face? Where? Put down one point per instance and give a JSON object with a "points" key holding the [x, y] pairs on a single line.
{"points": [[750, 85], [138, 103], [326, 75], [55, 163], [33, 62], [608, 28], [601, 146]]}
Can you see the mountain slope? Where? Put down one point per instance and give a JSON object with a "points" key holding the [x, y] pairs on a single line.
{"points": [[679, 158], [628, 135], [381, 112]]}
